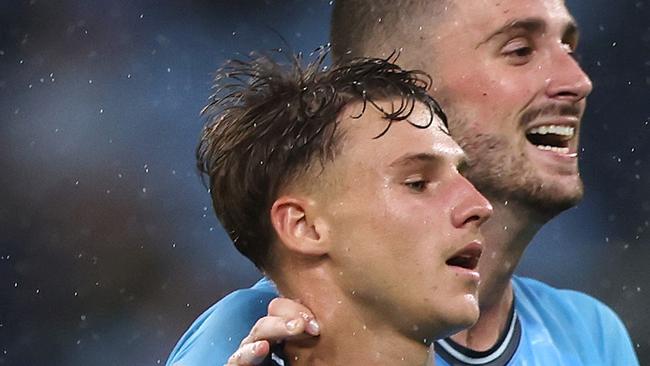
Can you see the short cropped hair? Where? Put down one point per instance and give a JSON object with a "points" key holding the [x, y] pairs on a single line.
{"points": [[269, 123], [374, 27]]}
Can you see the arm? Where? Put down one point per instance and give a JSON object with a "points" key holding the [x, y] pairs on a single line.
{"points": [[217, 333]]}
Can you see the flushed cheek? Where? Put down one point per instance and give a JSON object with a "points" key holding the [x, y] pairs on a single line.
{"points": [[489, 82]]}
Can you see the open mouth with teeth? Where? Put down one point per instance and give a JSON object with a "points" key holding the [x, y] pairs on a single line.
{"points": [[554, 138], [466, 258]]}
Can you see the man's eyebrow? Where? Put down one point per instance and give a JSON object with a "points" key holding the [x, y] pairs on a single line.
{"points": [[530, 25], [408, 159]]}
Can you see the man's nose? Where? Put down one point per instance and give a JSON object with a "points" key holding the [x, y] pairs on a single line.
{"points": [[566, 80], [473, 208]]}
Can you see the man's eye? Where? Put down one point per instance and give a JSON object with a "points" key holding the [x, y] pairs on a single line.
{"points": [[518, 52], [522, 52], [416, 185]]}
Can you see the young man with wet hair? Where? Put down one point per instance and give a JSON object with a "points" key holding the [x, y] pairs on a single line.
{"points": [[343, 187], [504, 72]]}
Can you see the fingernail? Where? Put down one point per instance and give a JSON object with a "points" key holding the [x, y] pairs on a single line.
{"points": [[313, 328], [256, 345], [292, 324]]}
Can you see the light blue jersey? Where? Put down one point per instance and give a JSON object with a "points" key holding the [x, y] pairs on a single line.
{"points": [[547, 326]]}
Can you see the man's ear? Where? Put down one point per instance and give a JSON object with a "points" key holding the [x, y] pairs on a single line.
{"points": [[299, 227]]}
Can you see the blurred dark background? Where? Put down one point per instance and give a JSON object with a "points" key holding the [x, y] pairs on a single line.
{"points": [[108, 244]]}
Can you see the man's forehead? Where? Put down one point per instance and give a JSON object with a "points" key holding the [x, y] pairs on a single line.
{"points": [[419, 114], [369, 128], [502, 11]]}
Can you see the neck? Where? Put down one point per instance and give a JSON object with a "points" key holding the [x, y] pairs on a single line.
{"points": [[350, 333], [507, 234]]}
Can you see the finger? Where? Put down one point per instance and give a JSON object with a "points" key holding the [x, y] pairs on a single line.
{"points": [[292, 309], [250, 354], [274, 329]]}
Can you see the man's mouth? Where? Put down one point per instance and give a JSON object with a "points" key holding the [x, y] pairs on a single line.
{"points": [[467, 257], [558, 138]]}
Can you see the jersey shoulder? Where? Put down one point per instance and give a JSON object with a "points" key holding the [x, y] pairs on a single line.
{"points": [[216, 333], [576, 322], [535, 295]]}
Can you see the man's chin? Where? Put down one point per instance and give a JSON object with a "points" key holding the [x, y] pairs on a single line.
{"points": [[543, 198], [549, 200]]}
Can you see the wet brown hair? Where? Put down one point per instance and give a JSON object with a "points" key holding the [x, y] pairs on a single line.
{"points": [[269, 123]]}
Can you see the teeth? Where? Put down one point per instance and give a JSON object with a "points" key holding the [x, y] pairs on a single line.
{"points": [[554, 129], [560, 150]]}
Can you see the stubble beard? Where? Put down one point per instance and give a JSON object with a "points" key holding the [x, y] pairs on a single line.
{"points": [[502, 172]]}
